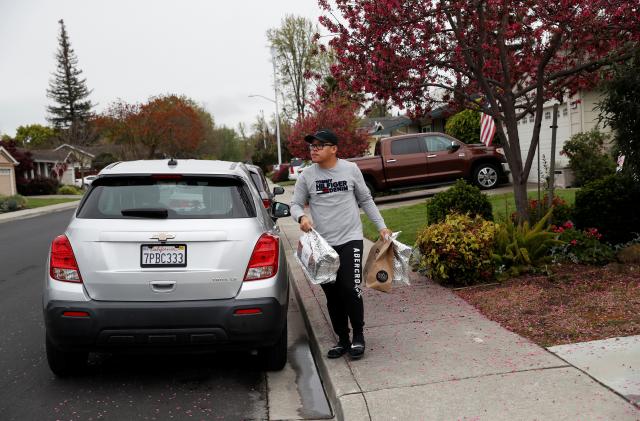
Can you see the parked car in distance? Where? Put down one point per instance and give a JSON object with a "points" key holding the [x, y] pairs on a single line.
{"points": [[293, 167], [85, 181], [260, 181], [177, 255], [296, 167], [428, 159]]}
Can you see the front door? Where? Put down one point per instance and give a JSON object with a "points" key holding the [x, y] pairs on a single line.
{"points": [[406, 164], [443, 164]]}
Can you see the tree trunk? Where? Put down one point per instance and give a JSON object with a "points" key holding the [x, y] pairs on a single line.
{"points": [[520, 197]]}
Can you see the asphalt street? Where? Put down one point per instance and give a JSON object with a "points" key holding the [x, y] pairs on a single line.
{"points": [[215, 386]]}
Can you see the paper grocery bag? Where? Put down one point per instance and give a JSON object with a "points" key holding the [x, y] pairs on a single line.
{"points": [[378, 270]]}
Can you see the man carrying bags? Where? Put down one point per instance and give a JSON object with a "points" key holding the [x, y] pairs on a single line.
{"points": [[334, 189]]}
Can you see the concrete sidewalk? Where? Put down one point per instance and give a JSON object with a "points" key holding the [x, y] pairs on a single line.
{"points": [[432, 356]]}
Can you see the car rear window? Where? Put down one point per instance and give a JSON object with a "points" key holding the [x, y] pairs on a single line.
{"points": [[191, 197]]}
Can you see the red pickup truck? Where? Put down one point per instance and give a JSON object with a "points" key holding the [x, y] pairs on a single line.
{"points": [[428, 159]]}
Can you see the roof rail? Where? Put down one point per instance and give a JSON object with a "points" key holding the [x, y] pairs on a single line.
{"points": [[108, 167]]}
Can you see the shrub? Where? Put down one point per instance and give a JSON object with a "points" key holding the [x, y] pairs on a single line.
{"points": [[282, 174], [37, 186], [587, 157], [66, 189], [611, 206], [461, 198], [581, 246], [102, 160], [12, 203], [464, 126], [562, 211], [521, 247], [457, 252]]}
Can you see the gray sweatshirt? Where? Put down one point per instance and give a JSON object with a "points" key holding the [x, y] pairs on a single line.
{"points": [[333, 196]]}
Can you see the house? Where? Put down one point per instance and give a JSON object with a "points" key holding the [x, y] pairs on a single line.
{"points": [[575, 115], [381, 127], [66, 162], [51, 163], [7, 173]]}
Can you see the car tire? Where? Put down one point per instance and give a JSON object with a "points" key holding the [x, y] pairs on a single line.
{"points": [[372, 189], [64, 364], [274, 357], [486, 176]]}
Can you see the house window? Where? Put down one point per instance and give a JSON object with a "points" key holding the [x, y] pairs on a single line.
{"points": [[565, 112], [426, 129], [547, 115], [531, 118], [5, 171]]}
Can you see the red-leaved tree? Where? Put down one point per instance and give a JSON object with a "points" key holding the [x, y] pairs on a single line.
{"points": [[164, 126], [334, 113], [510, 56]]}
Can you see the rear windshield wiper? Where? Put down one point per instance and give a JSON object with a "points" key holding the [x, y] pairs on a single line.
{"points": [[159, 213]]}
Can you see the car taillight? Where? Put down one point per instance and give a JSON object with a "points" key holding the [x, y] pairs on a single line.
{"points": [[266, 203], [62, 263], [264, 259], [291, 170]]}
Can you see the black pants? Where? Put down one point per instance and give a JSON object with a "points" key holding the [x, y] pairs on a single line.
{"points": [[344, 297]]}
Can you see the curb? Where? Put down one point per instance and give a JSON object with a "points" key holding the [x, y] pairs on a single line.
{"points": [[30, 213], [343, 391]]}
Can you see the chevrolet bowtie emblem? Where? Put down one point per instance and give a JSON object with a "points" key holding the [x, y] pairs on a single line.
{"points": [[163, 236]]}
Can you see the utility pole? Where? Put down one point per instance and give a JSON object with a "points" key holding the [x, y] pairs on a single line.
{"points": [[275, 86], [264, 136]]}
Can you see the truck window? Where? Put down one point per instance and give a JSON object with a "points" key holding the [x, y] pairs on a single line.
{"points": [[405, 146], [436, 143]]}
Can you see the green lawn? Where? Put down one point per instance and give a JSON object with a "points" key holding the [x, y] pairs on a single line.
{"points": [[33, 202], [410, 219]]}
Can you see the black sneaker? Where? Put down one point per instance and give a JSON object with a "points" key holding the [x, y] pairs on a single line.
{"points": [[338, 350], [356, 351]]}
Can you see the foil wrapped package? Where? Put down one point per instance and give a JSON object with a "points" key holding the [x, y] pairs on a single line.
{"points": [[319, 261], [401, 256]]}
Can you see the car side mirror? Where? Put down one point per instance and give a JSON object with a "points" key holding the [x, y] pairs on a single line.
{"points": [[454, 147], [278, 190], [280, 210]]}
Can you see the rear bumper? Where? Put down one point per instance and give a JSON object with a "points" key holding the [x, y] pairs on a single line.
{"points": [[184, 325]]}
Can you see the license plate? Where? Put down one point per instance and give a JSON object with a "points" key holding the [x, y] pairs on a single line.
{"points": [[163, 255]]}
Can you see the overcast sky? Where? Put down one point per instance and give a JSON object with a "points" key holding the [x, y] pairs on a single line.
{"points": [[213, 51]]}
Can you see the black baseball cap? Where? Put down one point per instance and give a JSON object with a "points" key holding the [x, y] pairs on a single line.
{"points": [[323, 135]]}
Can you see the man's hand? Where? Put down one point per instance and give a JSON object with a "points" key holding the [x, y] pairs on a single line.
{"points": [[305, 224], [385, 233]]}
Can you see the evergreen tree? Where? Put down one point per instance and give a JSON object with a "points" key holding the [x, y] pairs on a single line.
{"points": [[67, 88]]}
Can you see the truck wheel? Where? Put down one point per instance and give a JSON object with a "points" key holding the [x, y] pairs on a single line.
{"points": [[274, 357], [63, 363], [486, 176], [372, 189]]}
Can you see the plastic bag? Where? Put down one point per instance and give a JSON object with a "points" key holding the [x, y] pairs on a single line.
{"points": [[401, 255], [319, 261]]}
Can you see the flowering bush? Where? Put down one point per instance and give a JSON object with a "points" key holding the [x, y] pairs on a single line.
{"points": [[282, 174], [581, 246], [562, 211]]}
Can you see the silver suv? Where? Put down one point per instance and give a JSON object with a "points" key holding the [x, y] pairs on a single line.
{"points": [[173, 254]]}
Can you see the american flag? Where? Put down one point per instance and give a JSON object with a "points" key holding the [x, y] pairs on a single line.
{"points": [[487, 129]]}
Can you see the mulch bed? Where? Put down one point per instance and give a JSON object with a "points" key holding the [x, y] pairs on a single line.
{"points": [[575, 304]]}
